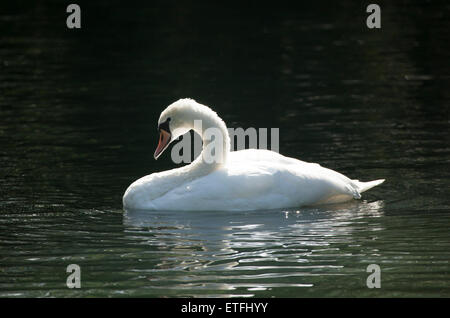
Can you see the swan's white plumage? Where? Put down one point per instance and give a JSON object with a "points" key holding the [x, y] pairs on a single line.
{"points": [[248, 180]]}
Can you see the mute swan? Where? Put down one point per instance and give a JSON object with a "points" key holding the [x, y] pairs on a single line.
{"points": [[240, 180]]}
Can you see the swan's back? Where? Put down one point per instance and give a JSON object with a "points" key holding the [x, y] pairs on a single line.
{"points": [[260, 179]]}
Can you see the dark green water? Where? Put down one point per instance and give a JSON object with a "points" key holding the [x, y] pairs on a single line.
{"points": [[78, 116]]}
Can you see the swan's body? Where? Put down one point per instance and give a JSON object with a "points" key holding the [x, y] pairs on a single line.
{"points": [[243, 180]]}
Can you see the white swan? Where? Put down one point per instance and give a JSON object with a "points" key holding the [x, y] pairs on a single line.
{"points": [[242, 180]]}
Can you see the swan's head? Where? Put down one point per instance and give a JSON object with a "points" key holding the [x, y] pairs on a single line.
{"points": [[177, 119]]}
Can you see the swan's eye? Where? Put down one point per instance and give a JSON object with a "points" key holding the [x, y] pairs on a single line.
{"points": [[169, 119]]}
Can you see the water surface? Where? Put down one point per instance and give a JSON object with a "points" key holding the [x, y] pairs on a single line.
{"points": [[78, 114]]}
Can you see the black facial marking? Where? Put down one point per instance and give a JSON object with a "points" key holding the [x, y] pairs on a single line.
{"points": [[165, 125]]}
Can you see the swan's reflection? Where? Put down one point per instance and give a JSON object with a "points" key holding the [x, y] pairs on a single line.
{"points": [[256, 250]]}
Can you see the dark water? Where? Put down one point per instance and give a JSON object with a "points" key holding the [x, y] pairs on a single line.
{"points": [[78, 114]]}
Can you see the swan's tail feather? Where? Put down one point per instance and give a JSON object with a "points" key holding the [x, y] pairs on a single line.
{"points": [[364, 186]]}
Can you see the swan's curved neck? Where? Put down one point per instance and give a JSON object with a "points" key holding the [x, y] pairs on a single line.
{"points": [[216, 147], [216, 143]]}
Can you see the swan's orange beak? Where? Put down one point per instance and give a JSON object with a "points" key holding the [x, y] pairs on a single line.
{"points": [[164, 140]]}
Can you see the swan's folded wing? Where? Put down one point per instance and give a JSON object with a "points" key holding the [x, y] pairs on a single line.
{"points": [[259, 185], [224, 190]]}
